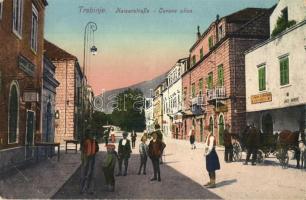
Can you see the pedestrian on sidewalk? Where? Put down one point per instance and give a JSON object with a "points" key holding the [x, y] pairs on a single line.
{"points": [[112, 134], [133, 137], [109, 167], [252, 144], [89, 150], [143, 151], [156, 148], [106, 135], [227, 141], [124, 153], [160, 138], [192, 137], [212, 160]]}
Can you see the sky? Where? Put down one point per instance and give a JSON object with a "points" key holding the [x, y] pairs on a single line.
{"points": [[133, 47]]}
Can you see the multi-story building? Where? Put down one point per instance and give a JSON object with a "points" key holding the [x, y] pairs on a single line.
{"points": [[48, 101], [214, 86], [172, 100], [21, 60], [149, 114], [275, 71], [158, 106], [69, 105]]}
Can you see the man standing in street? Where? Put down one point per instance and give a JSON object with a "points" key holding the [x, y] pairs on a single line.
{"points": [[89, 149], [252, 144], [133, 137], [156, 148], [106, 136], [109, 167], [227, 141], [124, 153]]}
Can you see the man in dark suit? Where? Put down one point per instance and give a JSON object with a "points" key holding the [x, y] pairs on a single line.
{"points": [[124, 153], [227, 141], [252, 144]]}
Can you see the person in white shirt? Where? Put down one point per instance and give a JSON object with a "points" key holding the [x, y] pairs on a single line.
{"points": [[212, 160]]}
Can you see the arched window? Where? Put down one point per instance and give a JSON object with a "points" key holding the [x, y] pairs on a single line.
{"points": [[13, 113], [221, 128], [211, 124]]}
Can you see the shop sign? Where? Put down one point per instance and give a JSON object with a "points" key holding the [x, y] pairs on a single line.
{"points": [[30, 96], [221, 108], [26, 66], [261, 98]]}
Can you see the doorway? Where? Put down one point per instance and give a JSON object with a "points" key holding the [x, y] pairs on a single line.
{"points": [[30, 130], [201, 130], [267, 124], [221, 129]]}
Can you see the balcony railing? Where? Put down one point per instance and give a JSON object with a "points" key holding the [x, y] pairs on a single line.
{"points": [[216, 93], [198, 100]]}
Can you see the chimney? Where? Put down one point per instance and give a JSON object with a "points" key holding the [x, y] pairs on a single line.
{"points": [[217, 18], [198, 33]]}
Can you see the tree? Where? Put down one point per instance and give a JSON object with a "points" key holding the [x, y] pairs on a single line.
{"points": [[128, 111], [282, 24], [100, 119]]}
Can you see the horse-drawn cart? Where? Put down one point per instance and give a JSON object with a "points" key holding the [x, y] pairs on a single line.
{"points": [[287, 141]]}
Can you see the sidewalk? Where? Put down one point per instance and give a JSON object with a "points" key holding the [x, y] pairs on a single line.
{"points": [[39, 180]]}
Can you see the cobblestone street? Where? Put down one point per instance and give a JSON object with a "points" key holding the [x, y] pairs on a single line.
{"points": [[183, 175]]}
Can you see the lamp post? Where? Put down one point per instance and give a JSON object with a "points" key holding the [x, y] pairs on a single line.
{"points": [[90, 27]]}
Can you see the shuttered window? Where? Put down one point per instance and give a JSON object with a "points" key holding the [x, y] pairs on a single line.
{"points": [[17, 17], [193, 60], [284, 71], [201, 53], [193, 90], [210, 42], [220, 75], [210, 80], [262, 77], [201, 87]]}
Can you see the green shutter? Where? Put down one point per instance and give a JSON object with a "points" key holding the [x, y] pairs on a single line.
{"points": [[201, 53], [262, 78], [210, 81], [284, 71], [193, 90], [220, 75]]}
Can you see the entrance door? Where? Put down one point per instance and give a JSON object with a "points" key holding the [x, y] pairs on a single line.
{"points": [[49, 122], [30, 130], [267, 124], [221, 129]]}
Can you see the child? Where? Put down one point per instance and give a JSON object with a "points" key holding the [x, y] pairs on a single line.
{"points": [[109, 167], [143, 150]]}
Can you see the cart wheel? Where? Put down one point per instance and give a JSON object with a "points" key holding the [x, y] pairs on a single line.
{"points": [[237, 152]]}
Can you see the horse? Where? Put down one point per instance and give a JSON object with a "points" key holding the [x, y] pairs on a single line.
{"points": [[302, 148], [288, 140]]}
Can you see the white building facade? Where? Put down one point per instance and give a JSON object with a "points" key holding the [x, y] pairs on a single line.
{"points": [[172, 100], [149, 115], [276, 73]]}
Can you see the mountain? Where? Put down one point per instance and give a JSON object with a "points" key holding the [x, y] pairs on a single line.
{"points": [[104, 101]]}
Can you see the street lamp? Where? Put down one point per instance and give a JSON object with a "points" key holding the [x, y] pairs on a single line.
{"points": [[90, 27]]}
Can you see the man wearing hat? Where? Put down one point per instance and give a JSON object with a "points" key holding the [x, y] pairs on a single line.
{"points": [[109, 167], [89, 149], [124, 153], [227, 141]]}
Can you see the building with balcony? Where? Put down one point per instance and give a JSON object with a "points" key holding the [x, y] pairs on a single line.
{"points": [[214, 84], [149, 115], [275, 72], [158, 106], [172, 100], [21, 71]]}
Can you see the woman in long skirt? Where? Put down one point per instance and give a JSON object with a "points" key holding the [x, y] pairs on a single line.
{"points": [[212, 160]]}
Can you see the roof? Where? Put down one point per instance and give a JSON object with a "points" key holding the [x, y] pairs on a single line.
{"points": [[246, 14], [242, 16], [53, 52]]}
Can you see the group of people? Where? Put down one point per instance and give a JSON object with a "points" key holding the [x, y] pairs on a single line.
{"points": [[90, 147]]}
